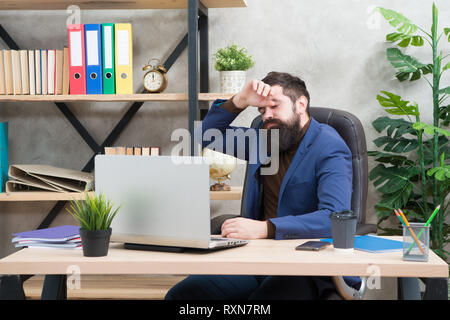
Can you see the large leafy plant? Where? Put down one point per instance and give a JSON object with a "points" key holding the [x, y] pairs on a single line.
{"points": [[413, 171]]}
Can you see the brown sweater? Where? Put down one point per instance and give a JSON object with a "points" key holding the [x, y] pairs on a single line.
{"points": [[272, 183]]}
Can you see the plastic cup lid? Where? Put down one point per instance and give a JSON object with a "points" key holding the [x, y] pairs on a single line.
{"points": [[343, 215]]}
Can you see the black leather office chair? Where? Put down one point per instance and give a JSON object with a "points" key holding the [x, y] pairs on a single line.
{"points": [[352, 131]]}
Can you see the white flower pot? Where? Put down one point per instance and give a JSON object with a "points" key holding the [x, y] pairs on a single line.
{"points": [[232, 81]]}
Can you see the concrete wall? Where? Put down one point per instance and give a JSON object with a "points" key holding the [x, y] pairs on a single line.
{"points": [[337, 47]]}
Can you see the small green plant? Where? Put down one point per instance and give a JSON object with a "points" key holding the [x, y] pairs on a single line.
{"points": [[94, 213], [233, 58]]}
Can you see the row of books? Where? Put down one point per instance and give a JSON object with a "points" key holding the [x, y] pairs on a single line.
{"points": [[98, 60], [101, 58], [63, 237], [136, 151], [34, 72]]}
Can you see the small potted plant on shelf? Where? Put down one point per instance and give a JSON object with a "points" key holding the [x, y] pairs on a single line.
{"points": [[94, 215], [232, 63]]}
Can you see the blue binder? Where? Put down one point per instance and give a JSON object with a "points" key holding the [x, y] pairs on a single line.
{"points": [[3, 154], [93, 44]]}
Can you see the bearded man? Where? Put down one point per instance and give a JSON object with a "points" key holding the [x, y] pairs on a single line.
{"points": [[314, 179]]}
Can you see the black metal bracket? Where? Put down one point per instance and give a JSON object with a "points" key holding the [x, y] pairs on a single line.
{"points": [[55, 287], [11, 288], [435, 289]]}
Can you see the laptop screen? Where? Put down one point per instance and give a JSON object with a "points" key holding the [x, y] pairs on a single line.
{"points": [[164, 200]]}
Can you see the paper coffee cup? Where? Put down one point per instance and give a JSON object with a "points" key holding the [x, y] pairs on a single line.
{"points": [[343, 229]]}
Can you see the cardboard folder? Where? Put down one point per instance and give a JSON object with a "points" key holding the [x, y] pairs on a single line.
{"points": [[44, 76], [38, 72], [51, 71], [2, 74], [21, 180], [48, 178], [32, 69], [9, 82]]}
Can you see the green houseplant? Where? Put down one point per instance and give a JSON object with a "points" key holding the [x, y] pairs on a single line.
{"points": [[232, 63], [95, 215], [413, 171]]}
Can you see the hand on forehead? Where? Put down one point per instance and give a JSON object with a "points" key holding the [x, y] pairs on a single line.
{"points": [[273, 96]]}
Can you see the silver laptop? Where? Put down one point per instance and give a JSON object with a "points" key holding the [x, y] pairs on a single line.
{"points": [[164, 200]]}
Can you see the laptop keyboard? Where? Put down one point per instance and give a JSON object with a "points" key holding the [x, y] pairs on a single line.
{"points": [[230, 240], [219, 239]]}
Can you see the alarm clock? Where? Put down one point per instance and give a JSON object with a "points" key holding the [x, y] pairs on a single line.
{"points": [[155, 80]]}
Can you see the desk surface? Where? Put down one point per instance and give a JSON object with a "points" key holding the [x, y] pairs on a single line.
{"points": [[265, 257]]}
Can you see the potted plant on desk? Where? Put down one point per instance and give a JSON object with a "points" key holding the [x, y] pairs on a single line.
{"points": [[232, 63], [94, 215]]}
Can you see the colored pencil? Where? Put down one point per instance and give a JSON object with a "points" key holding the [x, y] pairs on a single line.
{"points": [[411, 231], [426, 225]]}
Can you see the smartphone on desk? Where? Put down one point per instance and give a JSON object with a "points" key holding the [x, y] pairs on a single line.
{"points": [[312, 245]]}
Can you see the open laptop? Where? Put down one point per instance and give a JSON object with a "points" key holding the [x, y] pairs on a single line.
{"points": [[164, 201]]}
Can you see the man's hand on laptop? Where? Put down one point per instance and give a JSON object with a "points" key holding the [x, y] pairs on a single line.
{"points": [[243, 228], [255, 93]]}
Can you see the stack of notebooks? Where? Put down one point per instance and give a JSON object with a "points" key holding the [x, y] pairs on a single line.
{"points": [[374, 244], [64, 237], [136, 151], [47, 178], [97, 60], [34, 72]]}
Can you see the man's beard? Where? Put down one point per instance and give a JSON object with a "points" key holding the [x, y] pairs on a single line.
{"points": [[289, 132]]}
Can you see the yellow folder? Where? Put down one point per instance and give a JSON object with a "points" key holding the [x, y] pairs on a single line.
{"points": [[123, 39]]}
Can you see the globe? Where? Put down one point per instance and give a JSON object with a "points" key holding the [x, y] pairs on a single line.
{"points": [[220, 167]]}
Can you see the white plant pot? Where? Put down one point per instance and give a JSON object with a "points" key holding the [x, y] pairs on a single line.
{"points": [[232, 81]]}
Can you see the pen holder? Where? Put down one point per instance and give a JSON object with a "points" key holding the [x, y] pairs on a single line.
{"points": [[416, 240]]}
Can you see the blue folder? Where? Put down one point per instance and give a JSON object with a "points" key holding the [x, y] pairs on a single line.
{"points": [[54, 234], [374, 244], [3, 154], [93, 44]]}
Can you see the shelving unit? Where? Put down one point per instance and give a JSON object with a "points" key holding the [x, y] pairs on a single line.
{"points": [[113, 4], [234, 194], [113, 97], [196, 42]]}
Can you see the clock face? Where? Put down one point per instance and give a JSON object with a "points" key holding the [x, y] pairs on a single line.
{"points": [[153, 80]]}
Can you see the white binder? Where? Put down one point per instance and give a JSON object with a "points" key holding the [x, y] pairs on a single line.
{"points": [[37, 64], [51, 67], [44, 71], [31, 67]]}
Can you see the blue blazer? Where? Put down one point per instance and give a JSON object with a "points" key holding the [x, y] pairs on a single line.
{"points": [[318, 181]]}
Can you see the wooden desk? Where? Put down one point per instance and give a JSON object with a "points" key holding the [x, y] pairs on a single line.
{"points": [[262, 257]]}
